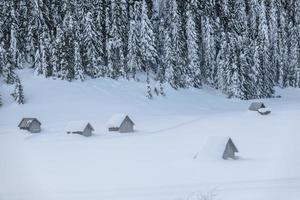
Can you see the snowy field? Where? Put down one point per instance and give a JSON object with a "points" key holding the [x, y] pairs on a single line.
{"points": [[157, 161]]}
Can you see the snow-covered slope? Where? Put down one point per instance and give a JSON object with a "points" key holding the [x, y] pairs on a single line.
{"points": [[157, 161]]}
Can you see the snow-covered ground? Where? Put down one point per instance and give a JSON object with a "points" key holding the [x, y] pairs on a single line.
{"points": [[157, 161]]}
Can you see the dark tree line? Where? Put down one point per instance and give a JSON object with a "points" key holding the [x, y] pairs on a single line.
{"points": [[242, 47]]}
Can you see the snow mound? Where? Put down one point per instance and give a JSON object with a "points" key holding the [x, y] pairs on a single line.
{"points": [[74, 126], [116, 120], [214, 147]]}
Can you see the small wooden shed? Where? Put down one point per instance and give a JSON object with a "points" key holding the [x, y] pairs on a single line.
{"points": [[121, 123], [230, 150], [79, 127], [219, 147], [255, 106], [30, 124]]}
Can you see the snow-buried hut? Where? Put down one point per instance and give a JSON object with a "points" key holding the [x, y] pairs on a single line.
{"points": [[219, 147], [121, 123], [79, 127], [30, 124], [255, 106]]}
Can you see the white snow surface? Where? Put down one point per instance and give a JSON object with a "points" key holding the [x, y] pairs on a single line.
{"points": [[74, 126], [263, 110], [116, 120], [154, 163]]}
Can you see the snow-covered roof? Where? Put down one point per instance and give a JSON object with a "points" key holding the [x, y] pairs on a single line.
{"points": [[76, 126], [214, 147], [256, 105], [116, 120]]}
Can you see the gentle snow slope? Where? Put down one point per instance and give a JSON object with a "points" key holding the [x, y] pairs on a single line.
{"points": [[154, 163]]}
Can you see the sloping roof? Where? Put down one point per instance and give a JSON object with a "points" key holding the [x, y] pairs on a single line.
{"points": [[26, 122], [117, 119], [256, 105], [214, 147], [77, 126]]}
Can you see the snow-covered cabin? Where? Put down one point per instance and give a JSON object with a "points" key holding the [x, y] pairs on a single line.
{"points": [[255, 106], [79, 127], [219, 147], [121, 123], [30, 124]]}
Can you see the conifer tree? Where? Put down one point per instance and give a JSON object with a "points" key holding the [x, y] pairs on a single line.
{"points": [[134, 54], [266, 86], [209, 49], [91, 46], [78, 68], [148, 48], [194, 61], [7, 69], [115, 49], [18, 94]]}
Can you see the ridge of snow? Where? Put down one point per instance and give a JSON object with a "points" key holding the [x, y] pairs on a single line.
{"points": [[75, 126], [116, 120]]}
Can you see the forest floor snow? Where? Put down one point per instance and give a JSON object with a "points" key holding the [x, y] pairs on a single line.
{"points": [[156, 162]]}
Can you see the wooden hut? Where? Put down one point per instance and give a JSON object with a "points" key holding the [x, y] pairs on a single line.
{"points": [[121, 123], [219, 147], [79, 127], [30, 124], [255, 106]]}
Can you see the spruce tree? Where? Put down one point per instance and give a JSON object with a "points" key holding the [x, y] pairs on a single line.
{"points": [[193, 54], [90, 44], [78, 68], [134, 54], [115, 45], [266, 86], [18, 94], [7, 69], [209, 49], [148, 48]]}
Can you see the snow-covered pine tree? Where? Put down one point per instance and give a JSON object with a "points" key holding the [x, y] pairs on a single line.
{"points": [[115, 45], [283, 49], [13, 40], [235, 74], [173, 46], [22, 33], [273, 36], [2, 52], [243, 51], [149, 91], [209, 50], [90, 47], [160, 71], [266, 85], [66, 48], [78, 68], [18, 94], [222, 62], [148, 48], [293, 56], [297, 30], [193, 54], [134, 54], [8, 66], [99, 23], [42, 65], [124, 23]]}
